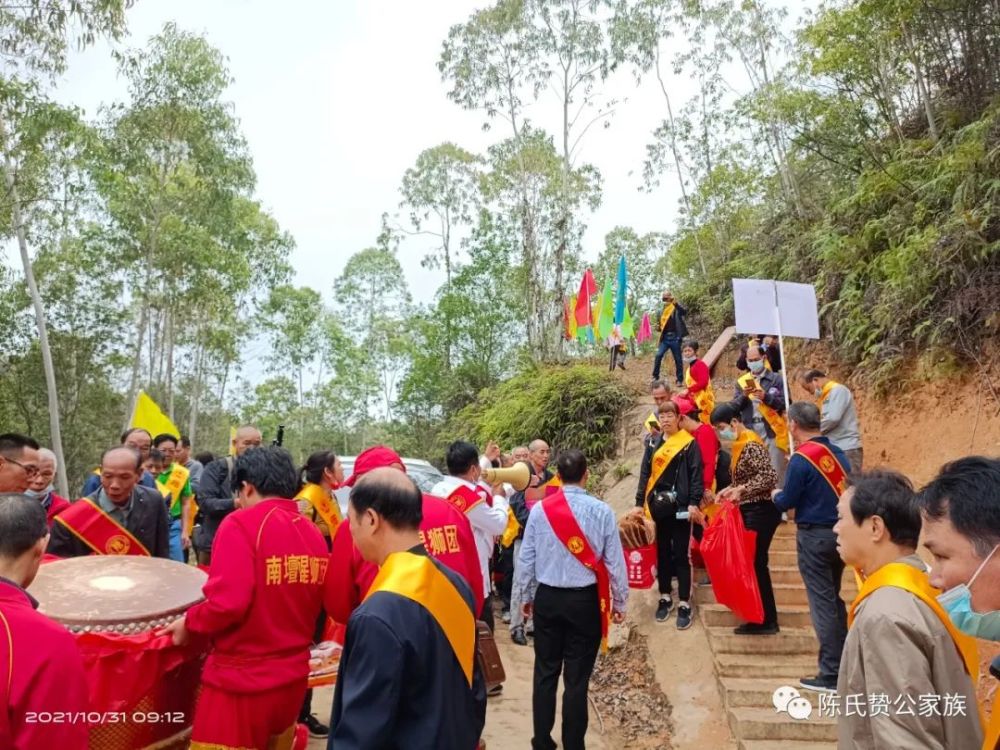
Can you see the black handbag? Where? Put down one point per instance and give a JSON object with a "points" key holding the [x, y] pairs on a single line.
{"points": [[663, 504]]}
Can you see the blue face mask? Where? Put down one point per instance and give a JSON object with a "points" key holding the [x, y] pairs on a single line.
{"points": [[756, 366], [727, 434], [957, 602]]}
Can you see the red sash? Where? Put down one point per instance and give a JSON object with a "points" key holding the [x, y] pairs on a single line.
{"points": [[465, 498], [566, 528], [826, 464], [99, 531]]}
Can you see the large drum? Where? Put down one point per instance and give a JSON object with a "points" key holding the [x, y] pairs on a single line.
{"points": [[142, 687]]}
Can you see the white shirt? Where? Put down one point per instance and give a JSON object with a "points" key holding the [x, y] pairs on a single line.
{"points": [[487, 522]]}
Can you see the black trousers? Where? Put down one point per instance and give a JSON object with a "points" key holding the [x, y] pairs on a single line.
{"points": [[487, 613], [307, 701], [567, 638], [306, 709], [821, 569], [763, 518], [672, 539]]}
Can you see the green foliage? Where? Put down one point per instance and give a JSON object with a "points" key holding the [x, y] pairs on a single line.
{"points": [[569, 407]]}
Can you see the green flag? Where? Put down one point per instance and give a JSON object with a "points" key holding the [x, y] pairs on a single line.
{"points": [[606, 323], [628, 330]]}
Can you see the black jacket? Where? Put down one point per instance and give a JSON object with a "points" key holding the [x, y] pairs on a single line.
{"points": [[688, 479], [215, 501], [774, 396], [676, 324], [148, 522]]}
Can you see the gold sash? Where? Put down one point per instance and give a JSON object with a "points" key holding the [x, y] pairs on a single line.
{"points": [[417, 578], [174, 485], [673, 445], [747, 436], [665, 316], [777, 423], [830, 385], [906, 577], [704, 399], [322, 503]]}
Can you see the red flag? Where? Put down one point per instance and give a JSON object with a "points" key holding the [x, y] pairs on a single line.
{"points": [[588, 288], [566, 323]]}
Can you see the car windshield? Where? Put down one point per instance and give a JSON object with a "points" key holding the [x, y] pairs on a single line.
{"points": [[425, 475]]}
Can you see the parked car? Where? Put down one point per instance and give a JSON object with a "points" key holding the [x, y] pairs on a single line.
{"points": [[422, 472]]}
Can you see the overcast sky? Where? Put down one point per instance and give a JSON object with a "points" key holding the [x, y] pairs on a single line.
{"points": [[337, 99]]}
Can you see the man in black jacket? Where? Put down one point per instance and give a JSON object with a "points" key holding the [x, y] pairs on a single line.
{"points": [[139, 511], [215, 499], [673, 329], [771, 393]]}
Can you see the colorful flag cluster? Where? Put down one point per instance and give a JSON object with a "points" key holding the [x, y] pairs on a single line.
{"points": [[589, 316]]}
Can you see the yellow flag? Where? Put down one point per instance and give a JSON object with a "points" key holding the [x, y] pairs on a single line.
{"points": [[148, 416], [232, 441]]}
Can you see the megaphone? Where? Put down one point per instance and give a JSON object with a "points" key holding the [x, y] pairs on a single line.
{"points": [[517, 476]]}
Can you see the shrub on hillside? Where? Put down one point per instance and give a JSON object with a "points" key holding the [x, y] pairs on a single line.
{"points": [[568, 407]]}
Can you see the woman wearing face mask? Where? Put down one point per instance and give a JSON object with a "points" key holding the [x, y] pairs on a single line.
{"points": [[41, 488], [753, 479], [671, 489], [698, 381]]}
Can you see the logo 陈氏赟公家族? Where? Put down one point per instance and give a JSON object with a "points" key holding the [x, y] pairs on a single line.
{"points": [[787, 699]]}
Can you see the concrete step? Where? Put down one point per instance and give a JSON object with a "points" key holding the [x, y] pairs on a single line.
{"points": [[781, 573], [766, 724], [790, 615], [748, 692], [788, 641], [778, 557], [766, 666], [745, 692], [784, 593], [784, 745]]}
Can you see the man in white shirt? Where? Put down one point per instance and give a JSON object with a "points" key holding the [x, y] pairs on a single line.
{"points": [[485, 507]]}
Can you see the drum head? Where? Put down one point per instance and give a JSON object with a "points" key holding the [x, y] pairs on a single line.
{"points": [[116, 593]]}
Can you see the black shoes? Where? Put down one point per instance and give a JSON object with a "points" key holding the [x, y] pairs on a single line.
{"points": [[315, 727], [749, 628], [517, 635], [818, 684], [663, 610], [683, 617]]}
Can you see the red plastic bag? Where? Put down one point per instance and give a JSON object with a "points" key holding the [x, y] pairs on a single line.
{"points": [[728, 550], [641, 565], [694, 553]]}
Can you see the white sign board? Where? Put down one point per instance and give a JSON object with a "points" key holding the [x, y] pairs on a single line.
{"points": [[759, 302]]}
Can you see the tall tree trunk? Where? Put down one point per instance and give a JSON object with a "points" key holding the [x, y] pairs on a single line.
{"points": [[675, 152], [196, 392], [55, 430], [922, 87], [133, 384], [170, 365]]}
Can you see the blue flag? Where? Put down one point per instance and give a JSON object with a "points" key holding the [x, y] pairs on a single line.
{"points": [[622, 292]]}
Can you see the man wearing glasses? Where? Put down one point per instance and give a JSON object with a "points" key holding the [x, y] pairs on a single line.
{"points": [[18, 462]]}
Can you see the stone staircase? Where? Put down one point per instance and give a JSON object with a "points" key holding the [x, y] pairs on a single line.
{"points": [[750, 668]]}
